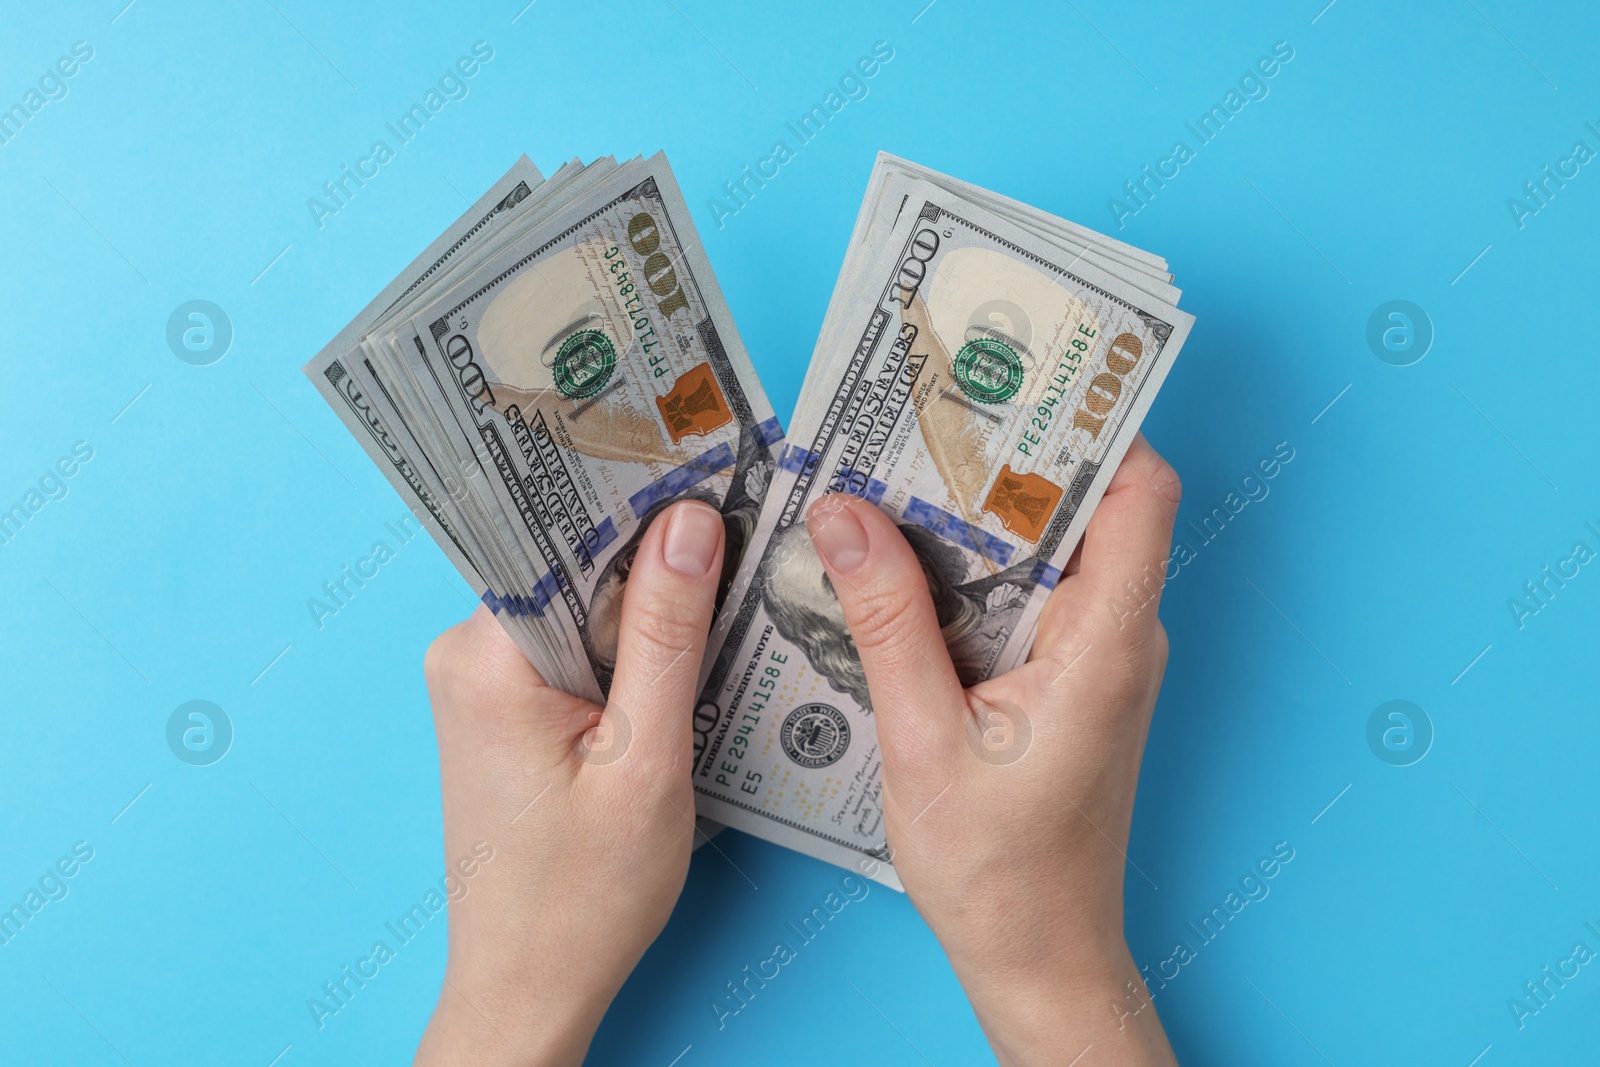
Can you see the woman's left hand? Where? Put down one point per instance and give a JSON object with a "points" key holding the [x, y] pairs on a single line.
{"points": [[586, 812]]}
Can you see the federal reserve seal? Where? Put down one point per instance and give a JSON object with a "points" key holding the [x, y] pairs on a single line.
{"points": [[584, 364], [988, 371], [815, 735]]}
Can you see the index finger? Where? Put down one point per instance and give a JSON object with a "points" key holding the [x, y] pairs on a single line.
{"points": [[1125, 548]]}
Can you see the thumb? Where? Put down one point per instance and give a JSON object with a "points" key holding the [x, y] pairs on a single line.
{"points": [[666, 614], [917, 698]]}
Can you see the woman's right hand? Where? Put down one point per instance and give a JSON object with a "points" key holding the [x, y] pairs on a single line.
{"points": [[1008, 805]]}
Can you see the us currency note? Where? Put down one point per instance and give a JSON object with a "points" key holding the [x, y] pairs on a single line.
{"points": [[351, 387], [592, 372], [977, 378]]}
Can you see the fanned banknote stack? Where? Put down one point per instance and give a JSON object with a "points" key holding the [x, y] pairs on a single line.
{"points": [[982, 369], [560, 365], [541, 382]]}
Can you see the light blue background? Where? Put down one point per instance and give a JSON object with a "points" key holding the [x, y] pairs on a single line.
{"points": [[1379, 567]]}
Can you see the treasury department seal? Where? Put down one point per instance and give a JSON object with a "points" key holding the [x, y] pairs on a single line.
{"points": [[988, 370], [815, 735], [584, 364]]}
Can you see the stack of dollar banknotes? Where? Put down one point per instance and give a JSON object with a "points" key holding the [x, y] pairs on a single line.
{"points": [[560, 366]]}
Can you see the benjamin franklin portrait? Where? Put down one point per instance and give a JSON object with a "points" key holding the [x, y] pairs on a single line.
{"points": [[974, 616], [740, 509]]}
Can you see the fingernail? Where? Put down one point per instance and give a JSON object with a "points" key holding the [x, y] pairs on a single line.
{"points": [[692, 537], [840, 538]]}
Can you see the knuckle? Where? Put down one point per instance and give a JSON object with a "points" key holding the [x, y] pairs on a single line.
{"points": [[882, 619], [656, 652], [1068, 651], [468, 665], [443, 657], [1166, 483], [1160, 646], [1140, 668], [663, 628]]}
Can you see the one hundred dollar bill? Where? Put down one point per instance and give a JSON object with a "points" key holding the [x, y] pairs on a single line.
{"points": [[544, 381], [346, 379], [979, 375], [593, 369]]}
